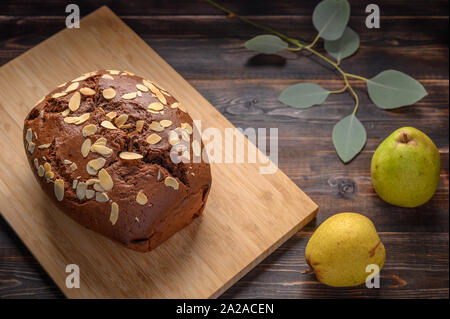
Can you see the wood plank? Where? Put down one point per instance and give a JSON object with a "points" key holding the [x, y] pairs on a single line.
{"points": [[195, 7], [420, 259], [214, 46], [231, 237]]}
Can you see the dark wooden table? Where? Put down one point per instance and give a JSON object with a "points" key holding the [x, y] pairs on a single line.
{"points": [[207, 49]]}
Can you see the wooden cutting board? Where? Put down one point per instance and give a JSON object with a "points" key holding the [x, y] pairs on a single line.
{"points": [[248, 215]]}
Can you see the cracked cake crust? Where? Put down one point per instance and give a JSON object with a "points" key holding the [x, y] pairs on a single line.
{"points": [[100, 146]]}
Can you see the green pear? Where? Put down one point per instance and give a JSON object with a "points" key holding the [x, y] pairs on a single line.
{"points": [[342, 247], [405, 168]]}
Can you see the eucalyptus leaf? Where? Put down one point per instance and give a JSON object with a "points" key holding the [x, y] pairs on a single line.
{"points": [[330, 17], [343, 47], [349, 137], [391, 89], [267, 43], [303, 95]]}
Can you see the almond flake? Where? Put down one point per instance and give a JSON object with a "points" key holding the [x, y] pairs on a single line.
{"points": [[41, 114], [109, 93], [31, 146], [165, 123], [107, 76], [174, 105], [67, 162], [72, 87], [85, 147], [139, 93], [87, 91], [29, 135], [83, 118], [111, 115], [100, 149], [150, 86], [155, 126], [41, 171], [121, 120], [74, 102], [139, 125], [114, 216], [101, 141], [99, 187], [81, 190], [90, 193], [130, 156], [166, 93], [101, 197], [129, 96], [153, 139], [181, 107], [47, 167], [59, 94], [97, 163], [161, 97], [71, 119], [36, 163], [89, 130], [108, 125], [105, 180], [142, 88], [49, 176], [65, 112], [113, 72], [187, 127], [81, 78], [59, 189], [74, 184], [171, 182], [92, 181], [62, 84], [73, 167], [141, 198]]}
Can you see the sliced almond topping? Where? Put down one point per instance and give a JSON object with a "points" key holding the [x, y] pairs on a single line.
{"points": [[47, 167], [155, 106], [171, 182], [139, 93], [97, 163], [174, 105], [101, 110], [72, 87], [107, 76], [87, 91], [101, 141], [114, 216], [150, 86], [153, 138], [108, 125], [41, 171], [111, 115], [73, 167], [62, 84], [121, 120], [59, 94], [65, 112], [125, 126], [81, 78], [142, 88], [129, 96], [85, 147], [98, 187], [187, 127], [71, 119], [196, 149], [109, 93], [166, 93], [74, 184], [105, 180], [101, 197], [31, 146], [113, 72], [74, 102], [49, 176], [92, 181], [90, 170], [81, 190], [90, 193], [29, 135], [130, 156], [173, 138], [89, 130], [141, 198], [41, 114], [67, 162], [59, 189], [181, 107], [161, 97], [83, 118], [36, 163], [139, 125], [165, 123], [103, 150], [155, 126]]}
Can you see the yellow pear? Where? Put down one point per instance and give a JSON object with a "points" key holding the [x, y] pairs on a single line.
{"points": [[405, 168], [342, 247]]}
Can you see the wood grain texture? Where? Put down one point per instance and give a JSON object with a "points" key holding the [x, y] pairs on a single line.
{"points": [[247, 216], [244, 87]]}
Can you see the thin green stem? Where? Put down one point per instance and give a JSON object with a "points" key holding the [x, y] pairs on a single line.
{"points": [[339, 91], [314, 41], [357, 77]]}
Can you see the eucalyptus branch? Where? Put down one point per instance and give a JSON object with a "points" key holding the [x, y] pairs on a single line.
{"points": [[388, 90]]}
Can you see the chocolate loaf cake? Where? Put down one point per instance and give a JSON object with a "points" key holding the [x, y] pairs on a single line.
{"points": [[102, 147]]}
